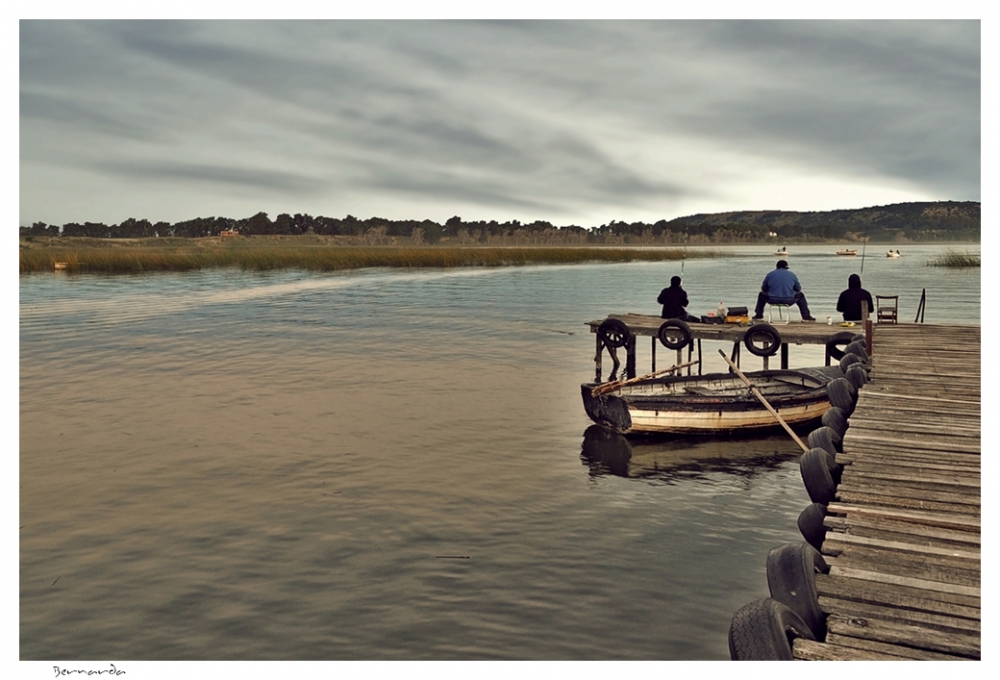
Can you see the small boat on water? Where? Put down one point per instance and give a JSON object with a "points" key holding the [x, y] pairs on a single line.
{"points": [[710, 404], [781, 251], [849, 252], [892, 253]]}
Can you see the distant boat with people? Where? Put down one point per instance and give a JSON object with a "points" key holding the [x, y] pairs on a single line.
{"points": [[892, 253], [850, 252], [781, 251]]}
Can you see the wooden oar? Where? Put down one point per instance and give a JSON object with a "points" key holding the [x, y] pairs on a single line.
{"points": [[612, 386], [760, 396]]}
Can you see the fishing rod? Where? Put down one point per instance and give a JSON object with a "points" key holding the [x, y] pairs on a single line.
{"points": [[864, 247]]}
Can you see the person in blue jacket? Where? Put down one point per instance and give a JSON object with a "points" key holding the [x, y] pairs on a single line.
{"points": [[782, 287]]}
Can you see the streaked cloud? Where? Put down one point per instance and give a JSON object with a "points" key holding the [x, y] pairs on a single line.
{"points": [[576, 122]]}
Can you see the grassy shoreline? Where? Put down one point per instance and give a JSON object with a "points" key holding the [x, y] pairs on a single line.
{"points": [[135, 257]]}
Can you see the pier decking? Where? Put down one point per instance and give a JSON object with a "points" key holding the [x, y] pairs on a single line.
{"points": [[640, 325], [903, 534]]}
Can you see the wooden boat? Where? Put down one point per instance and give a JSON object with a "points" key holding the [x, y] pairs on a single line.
{"points": [[892, 253], [848, 252], [715, 403], [782, 251]]}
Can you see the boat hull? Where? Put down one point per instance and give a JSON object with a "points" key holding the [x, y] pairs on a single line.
{"points": [[712, 404]]}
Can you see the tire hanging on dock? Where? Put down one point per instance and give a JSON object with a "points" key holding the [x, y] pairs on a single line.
{"points": [[811, 525], [843, 395], [857, 375], [791, 580], [858, 347], [614, 333], [763, 630], [833, 345], [849, 360], [674, 334], [835, 420], [826, 438], [769, 337], [814, 466]]}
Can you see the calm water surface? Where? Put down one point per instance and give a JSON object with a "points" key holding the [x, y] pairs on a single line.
{"points": [[390, 465]]}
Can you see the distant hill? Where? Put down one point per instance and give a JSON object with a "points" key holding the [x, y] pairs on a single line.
{"points": [[914, 221]]}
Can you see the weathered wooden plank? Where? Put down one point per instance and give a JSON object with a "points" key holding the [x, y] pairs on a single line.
{"points": [[907, 635], [918, 469], [809, 650], [935, 569], [860, 498], [963, 523], [901, 492], [898, 575], [899, 546], [867, 473], [893, 651], [951, 604], [962, 462], [906, 532], [924, 444], [900, 615]]}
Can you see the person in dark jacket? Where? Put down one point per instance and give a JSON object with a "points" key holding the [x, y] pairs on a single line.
{"points": [[674, 299], [781, 287], [850, 300]]}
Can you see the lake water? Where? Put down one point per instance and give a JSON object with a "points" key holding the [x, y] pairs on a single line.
{"points": [[391, 465]]}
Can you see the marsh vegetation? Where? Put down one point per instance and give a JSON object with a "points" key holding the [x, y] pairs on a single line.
{"points": [[317, 254], [955, 258]]}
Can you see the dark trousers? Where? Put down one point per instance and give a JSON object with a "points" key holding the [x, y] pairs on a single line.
{"points": [[800, 300]]}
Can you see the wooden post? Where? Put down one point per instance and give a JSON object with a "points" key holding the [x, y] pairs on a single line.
{"points": [[867, 326], [652, 354], [597, 358], [630, 358], [784, 356]]}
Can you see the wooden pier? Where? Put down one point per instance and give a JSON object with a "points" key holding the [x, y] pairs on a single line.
{"points": [[645, 325], [903, 539]]}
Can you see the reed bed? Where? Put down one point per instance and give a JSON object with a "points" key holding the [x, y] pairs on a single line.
{"points": [[954, 258], [326, 258]]}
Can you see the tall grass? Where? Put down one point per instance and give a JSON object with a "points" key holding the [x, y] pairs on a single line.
{"points": [[326, 258], [954, 258]]}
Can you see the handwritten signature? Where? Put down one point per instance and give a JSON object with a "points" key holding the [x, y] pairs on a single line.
{"points": [[75, 671]]}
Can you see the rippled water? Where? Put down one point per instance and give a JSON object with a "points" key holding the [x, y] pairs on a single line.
{"points": [[389, 465]]}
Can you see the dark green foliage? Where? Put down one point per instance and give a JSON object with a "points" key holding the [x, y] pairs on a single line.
{"points": [[902, 222]]}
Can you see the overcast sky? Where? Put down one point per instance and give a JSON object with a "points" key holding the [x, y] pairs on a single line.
{"points": [[574, 122]]}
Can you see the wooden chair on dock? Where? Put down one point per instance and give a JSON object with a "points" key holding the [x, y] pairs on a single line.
{"points": [[887, 309]]}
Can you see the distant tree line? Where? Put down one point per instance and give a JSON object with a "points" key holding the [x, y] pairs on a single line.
{"points": [[946, 220]]}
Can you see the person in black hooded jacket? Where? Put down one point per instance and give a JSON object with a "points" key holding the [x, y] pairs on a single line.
{"points": [[849, 302], [674, 299]]}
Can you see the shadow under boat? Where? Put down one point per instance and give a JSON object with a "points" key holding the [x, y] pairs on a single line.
{"points": [[676, 457]]}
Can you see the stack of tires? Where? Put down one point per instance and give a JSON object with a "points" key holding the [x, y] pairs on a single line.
{"points": [[764, 629]]}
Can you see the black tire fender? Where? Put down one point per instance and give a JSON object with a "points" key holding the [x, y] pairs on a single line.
{"points": [[814, 466], [843, 395], [674, 334], [791, 579], [835, 420], [614, 333], [768, 334], [860, 348], [849, 360], [857, 375], [826, 438], [811, 525], [834, 343], [763, 630]]}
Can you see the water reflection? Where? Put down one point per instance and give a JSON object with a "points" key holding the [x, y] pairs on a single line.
{"points": [[671, 459]]}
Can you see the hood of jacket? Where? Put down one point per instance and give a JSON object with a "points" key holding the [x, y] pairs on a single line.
{"points": [[854, 281]]}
